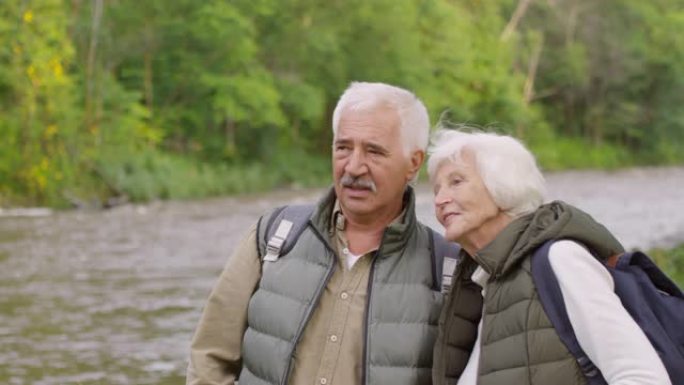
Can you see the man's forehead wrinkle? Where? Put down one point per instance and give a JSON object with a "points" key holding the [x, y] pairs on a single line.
{"points": [[375, 141]]}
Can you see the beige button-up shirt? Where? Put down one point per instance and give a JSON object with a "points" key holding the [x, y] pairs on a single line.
{"points": [[330, 351]]}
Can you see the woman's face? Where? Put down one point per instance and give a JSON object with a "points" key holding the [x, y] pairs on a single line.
{"points": [[463, 205]]}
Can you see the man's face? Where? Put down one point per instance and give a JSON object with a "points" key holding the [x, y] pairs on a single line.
{"points": [[370, 167]]}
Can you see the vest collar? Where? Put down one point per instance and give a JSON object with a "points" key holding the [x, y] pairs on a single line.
{"points": [[555, 220], [396, 234]]}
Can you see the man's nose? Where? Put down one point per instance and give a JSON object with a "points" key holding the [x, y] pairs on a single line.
{"points": [[357, 164]]}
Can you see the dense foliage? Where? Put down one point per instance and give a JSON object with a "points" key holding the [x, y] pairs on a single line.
{"points": [[156, 98], [672, 263]]}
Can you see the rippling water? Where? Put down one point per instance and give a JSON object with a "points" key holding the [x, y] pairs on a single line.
{"points": [[112, 297]]}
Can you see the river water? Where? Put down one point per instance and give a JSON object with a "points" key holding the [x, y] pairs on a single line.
{"points": [[112, 297]]}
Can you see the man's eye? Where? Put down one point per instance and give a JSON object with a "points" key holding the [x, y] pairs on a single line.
{"points": [[456, 181]]}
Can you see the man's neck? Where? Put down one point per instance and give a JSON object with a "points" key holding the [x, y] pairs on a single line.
{"points": [[365, 234]]}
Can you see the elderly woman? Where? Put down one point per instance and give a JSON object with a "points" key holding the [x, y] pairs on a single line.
{"points": [[493, 329]]}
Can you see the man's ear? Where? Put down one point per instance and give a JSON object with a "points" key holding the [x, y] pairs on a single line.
{"points": [[415, 162]]}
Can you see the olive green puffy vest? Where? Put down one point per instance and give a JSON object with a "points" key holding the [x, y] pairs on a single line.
{"points": [[518, 342], [402, 313]]}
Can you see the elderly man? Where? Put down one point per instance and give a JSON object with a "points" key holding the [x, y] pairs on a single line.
{"points": [[350, 297]]}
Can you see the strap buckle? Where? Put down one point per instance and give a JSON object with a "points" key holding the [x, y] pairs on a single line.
{"points": [[275, 244], [448, 267]]}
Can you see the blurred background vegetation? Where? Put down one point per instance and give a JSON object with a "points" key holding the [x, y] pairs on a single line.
{"points": [[671, 261], [137, 100]]}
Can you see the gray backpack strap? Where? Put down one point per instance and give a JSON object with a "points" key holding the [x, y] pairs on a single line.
{"points": [[445, 256], [282, 229]]}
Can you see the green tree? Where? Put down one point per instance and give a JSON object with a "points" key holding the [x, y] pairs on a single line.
{"points": [[41, 142]]}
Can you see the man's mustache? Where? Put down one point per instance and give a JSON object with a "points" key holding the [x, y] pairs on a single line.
{"points": [[357, 182]]}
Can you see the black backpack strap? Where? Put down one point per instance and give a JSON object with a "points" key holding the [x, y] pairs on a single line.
{"points": [[659, 279], [445, 257], [283, 228], [551, 298]]}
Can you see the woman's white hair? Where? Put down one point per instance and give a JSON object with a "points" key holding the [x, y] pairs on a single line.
{"points": [[508, 170], [415, 122]]}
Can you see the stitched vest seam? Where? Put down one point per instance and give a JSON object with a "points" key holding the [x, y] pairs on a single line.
{"points": [[425, 323], [304, 260], [252, 372], [294, 299], [269, 335], [497, 311], [525, 366]]}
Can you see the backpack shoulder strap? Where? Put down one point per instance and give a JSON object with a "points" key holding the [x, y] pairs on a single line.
{"points": [[551, 298], [445, 257], [278, 231], [643, 262]]}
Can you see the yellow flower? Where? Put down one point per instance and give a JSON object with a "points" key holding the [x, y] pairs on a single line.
{"points": [[57, 68], [50, 130], [28, 17]]}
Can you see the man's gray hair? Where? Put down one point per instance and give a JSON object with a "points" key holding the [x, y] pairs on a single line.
{"points": [[508, 169], [415, 122]]}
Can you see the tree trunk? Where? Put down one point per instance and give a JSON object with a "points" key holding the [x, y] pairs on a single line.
{"points": [[515, 19], [229, 129], [91, 61], [148, 81], [75, 9], [528, 91]]}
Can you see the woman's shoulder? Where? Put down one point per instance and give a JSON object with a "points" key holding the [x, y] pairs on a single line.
{"points": [[570, 259]]}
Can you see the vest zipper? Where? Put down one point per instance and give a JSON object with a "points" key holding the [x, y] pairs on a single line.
{"points": [[310, 311], [365, 324], [376, 255]]}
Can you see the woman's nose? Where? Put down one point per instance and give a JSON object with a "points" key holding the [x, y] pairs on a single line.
{"points": [[441, 197]]}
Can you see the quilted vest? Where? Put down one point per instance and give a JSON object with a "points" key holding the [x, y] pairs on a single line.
{"points": [[402, 310], [518, 342], [515, 327]]}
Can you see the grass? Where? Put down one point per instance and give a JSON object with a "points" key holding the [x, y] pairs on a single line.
{"points": [[671, 261], [157, 175]]}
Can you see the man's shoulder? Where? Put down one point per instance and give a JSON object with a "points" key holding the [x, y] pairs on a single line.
{"points": [[282, 226]]}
